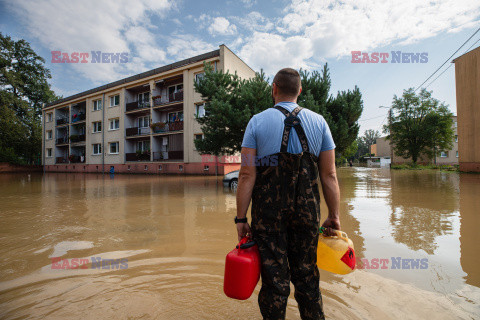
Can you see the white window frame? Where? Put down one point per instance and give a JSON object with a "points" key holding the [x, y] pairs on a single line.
{"points": [[199, 134], [113, 121], [50, 117], [444, 154], [48, 135], [176, 113], [97, 105], [141, 97], [456, 154], [455, 124], [49, 153], [198, 76], [177, 88], [110, 147], [142, 144], [99, 149], [143, 119], [112, 99], [456, 138], [95, 126], [197, 109]]}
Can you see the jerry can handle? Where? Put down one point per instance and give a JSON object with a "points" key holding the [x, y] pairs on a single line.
{"points": [[342, 235], [246, 243]]}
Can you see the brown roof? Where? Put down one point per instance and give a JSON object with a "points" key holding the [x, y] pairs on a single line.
{"points": [[139, 76]]}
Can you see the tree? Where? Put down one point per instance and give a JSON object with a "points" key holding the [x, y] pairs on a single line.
{"points": [[341, 112], [231, 102], [23, 90], [419, 124], [369, 137]]}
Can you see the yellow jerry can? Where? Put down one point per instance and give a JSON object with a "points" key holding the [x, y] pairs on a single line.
{"points": [[336, 254]]}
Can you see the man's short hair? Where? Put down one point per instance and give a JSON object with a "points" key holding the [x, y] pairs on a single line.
{"points": [[288, 82]]}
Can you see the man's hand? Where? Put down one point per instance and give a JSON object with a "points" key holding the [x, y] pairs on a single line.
{"points": [[243, 229], [330, 225]]}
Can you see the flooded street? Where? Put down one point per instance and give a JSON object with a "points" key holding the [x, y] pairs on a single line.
{"points": [[173, 232]]}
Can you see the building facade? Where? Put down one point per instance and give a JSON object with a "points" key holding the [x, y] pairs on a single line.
{"points": [[142, 124], [383, 149], [467, 84]]}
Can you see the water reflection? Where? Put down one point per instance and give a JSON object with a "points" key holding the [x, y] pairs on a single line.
{"points": [[176, 230], [422, 206]]}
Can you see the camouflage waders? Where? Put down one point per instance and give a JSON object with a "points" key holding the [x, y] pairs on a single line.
{"points": [[285, 221]]}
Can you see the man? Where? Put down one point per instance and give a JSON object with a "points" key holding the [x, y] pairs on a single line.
{"points": [[298, 145]]}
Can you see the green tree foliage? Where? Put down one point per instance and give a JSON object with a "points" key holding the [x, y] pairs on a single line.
{"points": [[364, 142], [23, 90], [341, 112], [231, 102], [419, 125]]}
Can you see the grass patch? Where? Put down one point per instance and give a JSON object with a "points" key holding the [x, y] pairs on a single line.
{"points": [[411, 166]]}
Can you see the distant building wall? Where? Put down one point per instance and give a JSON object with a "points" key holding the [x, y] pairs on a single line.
{"points": [[467, 83], [383, 148]]}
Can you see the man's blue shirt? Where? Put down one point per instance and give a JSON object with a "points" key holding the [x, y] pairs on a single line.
{"points": [[265, 129]]}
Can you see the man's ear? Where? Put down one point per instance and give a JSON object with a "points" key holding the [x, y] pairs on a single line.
{"points": [[300, 91]]}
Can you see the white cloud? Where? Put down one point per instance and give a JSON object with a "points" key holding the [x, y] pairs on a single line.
{"points": [[337, 28], [222, 26], [255, 21], [186, 46], [90, 25], [313, 30], [273, 52], [248, 3]]}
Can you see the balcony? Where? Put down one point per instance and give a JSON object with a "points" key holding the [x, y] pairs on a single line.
{"points": [[137, 131], [137, 105], [75, 138], [138, 156], [170, 155], [79, 117], [61, 160], [76, 159], [62, 121], [62, 140], [165, 127], [171, 98]]}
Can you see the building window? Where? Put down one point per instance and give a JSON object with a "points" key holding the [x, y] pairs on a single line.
{"points": [[200, 110], [199, 136], [143, 145], [114, 124], [144, 122], [206, 168], [456, 138], [444, 154], [97, 126], [175, 116], [144, 99], [175, 88], [49, 117], [114, 147], [180, 167], [97, 148], [49, 152], [97, 105], [114, 100], [49, 135], [199, 76], [455, 124]]}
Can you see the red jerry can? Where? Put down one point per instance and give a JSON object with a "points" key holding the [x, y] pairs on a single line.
{"points": [[242, 270]]}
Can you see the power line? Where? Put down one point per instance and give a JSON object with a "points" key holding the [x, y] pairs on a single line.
{"points": [[451, 64], [371, 118], [448, 59]]}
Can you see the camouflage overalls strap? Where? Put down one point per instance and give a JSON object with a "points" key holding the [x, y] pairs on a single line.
{"points": [[285, 221]]}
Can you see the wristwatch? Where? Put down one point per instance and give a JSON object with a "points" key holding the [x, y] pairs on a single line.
{"points": [[242, 220]]}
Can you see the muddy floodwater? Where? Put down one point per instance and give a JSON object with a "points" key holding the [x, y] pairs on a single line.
{"points": [[171, 235]]}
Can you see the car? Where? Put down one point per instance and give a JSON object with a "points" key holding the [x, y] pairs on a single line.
{"points": [[230, 180]]}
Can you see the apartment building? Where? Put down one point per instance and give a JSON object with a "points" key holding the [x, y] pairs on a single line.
{"points": [[467, 84], [145, 123], [383, 149]]}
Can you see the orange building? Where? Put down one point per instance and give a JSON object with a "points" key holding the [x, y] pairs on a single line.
{"points": [[467, 83]]}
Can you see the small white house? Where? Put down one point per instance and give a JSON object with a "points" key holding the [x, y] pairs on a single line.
{"points": [[378, 162]]}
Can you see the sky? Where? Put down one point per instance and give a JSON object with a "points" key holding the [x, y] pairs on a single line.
{"points": [[267, 35]]}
